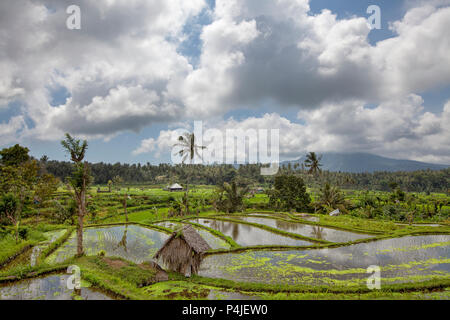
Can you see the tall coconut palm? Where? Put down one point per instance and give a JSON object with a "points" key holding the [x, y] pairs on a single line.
{"points": [[188, 150], [79, 181], [313, 163], [331, 196]]}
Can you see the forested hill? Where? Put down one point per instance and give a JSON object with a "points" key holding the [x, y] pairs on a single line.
{"points": [[365, 162], [425, 180]]}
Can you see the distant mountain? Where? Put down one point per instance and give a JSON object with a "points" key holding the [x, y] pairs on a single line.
{"points": [[364, 162]]}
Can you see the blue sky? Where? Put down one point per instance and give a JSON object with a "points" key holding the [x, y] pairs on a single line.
{"points": [[134, 72]]}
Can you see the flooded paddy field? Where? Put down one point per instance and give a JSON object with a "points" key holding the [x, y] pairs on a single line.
{"points": [[187, 290], [51, 287], [130, 242], [408, 259], [30, 256], [169, 225], [247, 235], [420, 225], [316, 232], [310, 218]]}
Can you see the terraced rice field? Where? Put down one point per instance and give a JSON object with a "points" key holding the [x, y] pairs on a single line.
{"points": [[52, 287], [246, 235], [253, 249], [407, 259], [317, 232], [131, 242]]}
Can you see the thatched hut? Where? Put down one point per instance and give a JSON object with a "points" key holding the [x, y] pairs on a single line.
{"points": [[175, 188], [183, 251]]}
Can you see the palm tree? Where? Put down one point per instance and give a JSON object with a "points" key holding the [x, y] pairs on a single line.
{"points": [[313, 163], [331, 196], [232, 196], [79, 181], [189, 149]]}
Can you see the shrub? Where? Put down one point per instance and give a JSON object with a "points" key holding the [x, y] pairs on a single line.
{"points": [[396, 213], [23, 232], [63, 214]]}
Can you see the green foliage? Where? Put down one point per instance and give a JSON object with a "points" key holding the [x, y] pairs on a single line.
{"points": [[229, 197], [398, 195], [14, 156], [19, 179], [9, 248], [8, 208], [117, 181], [81, 177], [331, 198], [31, 235], [24, 232], [289, 193], [393, 185], [395, 213], [92, 209], [64, 214], [75, 148], [128, 271], [101, 253], [163, 174], [46, 187], [179, 207], [313, 163]]}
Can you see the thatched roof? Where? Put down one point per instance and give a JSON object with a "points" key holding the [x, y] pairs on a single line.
{"points": [[191, 237], [195, 240], [183, 251]]}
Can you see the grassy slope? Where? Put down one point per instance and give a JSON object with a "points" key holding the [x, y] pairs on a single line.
{"points": [[125, 287]]}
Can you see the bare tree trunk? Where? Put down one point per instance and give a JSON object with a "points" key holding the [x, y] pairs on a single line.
{"points": [[81, 212], [125, 207], [186, 205], [80, 234], [187, 202]]}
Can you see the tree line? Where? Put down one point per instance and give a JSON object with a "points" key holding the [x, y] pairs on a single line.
{"points": [[162, 174]]}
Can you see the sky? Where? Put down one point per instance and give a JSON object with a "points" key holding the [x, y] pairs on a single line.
{"points": [[139, 70]]}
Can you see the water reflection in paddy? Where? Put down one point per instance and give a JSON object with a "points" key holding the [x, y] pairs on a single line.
{"points": [[133, 243], [310, 218], [53, 287], [402, 259], [246, 235], [316, 232], [419, 224]]}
